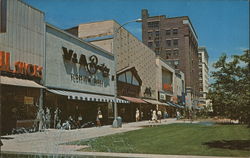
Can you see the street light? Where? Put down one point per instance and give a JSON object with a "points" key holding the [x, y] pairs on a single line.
{"points": [[115, 123]]}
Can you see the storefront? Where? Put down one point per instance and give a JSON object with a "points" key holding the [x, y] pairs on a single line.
{"points": [[128, 88], [79, 78], [21, 65]]}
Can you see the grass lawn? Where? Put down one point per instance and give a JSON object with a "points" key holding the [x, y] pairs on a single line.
{"points": [[177, 139]]}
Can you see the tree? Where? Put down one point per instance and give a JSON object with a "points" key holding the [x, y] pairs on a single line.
{"points": [[230, 92]]}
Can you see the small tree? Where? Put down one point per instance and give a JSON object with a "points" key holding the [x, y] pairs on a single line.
{"points": [[230, 92]]}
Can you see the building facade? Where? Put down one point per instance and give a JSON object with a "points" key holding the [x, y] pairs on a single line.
{"points": [[79, 77], [22, 47], [203, 74], [129, 51], [174, 40]]}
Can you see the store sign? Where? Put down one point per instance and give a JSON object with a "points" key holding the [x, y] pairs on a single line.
{"points": [[167, 87], [162, 96], [91, 65], [20, 67], [28, 100]]}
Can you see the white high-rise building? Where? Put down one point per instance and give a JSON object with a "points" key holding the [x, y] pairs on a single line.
{"points": [[203, 75]]}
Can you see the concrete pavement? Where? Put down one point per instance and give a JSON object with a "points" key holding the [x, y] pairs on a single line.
{"points": [[50, 141]]}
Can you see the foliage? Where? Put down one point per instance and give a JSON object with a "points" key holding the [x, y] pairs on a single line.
{"points": [[230, 92]]}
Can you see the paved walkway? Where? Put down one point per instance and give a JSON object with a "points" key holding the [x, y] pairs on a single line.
{"points": [[50, 140]]}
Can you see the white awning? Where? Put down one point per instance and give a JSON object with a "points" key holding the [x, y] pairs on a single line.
{"points": [[87, 97], [156, 102], [19, 82]]}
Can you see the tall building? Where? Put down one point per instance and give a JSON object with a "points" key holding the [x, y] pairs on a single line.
{"points": [[203, 74], [175, 40]]}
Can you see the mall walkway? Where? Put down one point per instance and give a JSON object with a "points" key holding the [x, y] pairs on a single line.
{"points": [[50, 140]]}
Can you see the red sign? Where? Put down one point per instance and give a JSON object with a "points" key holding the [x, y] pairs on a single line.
{"points": [[167, 87], [20, 67]]}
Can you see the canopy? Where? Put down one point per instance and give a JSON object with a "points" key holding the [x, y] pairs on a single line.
{"points": [[156, 102], [19, 82], [133, 100], [86, 96]]}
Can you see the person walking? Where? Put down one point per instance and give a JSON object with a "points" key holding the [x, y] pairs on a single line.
{"points": [[154, 116], [137, 115], [159, 115], [99, 117]]}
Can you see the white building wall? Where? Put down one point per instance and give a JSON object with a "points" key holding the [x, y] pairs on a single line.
{"points": [[58, 70], [25, 34]]}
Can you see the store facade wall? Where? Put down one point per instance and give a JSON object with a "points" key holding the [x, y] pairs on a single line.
{"points": [[21, 61], [77, 66], [129, 51]]}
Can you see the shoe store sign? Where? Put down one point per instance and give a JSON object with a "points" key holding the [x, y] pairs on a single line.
{"points": [[21, 68]]}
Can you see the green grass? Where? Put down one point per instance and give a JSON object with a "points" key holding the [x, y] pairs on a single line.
{"points": [[177, 139]]}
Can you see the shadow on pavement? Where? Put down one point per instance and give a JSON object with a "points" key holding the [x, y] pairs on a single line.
{"points": [[230, 144]]}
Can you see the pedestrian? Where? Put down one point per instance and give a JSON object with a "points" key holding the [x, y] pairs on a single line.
{"points": [[154, 116], [137, 115], [178, 115], [41, 119], [99, 117], [48, 118], [159, 115], [56, 118]]}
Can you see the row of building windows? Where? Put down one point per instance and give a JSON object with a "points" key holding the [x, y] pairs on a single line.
{"points": [[168, 33], [169, 43], [153, 24]]}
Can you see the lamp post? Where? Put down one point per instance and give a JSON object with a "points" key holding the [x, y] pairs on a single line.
{"points": [[115, 123]]}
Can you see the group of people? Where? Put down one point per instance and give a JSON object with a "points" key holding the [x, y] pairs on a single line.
{"points": [[155, 115], [44, 119]]}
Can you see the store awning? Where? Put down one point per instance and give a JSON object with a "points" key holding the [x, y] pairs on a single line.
{"points": [[19, 82], [133, 100], [154, 102], [175, 105], [86, 96]]}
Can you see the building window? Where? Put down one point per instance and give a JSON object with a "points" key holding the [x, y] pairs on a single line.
{"points": [[175, 31], [150, 44], [150, 34], [175, 42], [157, 43], [153, 24], [157, 51], [168, 32], [157, 33], [176, 52], [168, 43]]}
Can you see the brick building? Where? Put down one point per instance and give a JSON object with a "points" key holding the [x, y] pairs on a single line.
{"points": [[175, 40]]}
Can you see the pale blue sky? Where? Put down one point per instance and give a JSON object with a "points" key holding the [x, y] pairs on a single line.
{"points": [[221, 25]]}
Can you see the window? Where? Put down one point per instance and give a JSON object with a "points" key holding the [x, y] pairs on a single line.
{"points": [[150, 34], [176, 52], [168, 32], [168, 43], [168, 52], [150, 44], [175, 31], [157, 51], [157, 33], [157, 43], [153, 24], [175, 42]]}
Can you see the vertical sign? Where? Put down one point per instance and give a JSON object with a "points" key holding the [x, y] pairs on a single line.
{"points": [[3, 15]]}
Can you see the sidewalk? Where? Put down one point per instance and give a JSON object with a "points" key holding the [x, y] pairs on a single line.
{"points": [[50, 140]]}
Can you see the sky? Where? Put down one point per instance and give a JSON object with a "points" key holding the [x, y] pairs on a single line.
{"points": [[222, 26]]}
